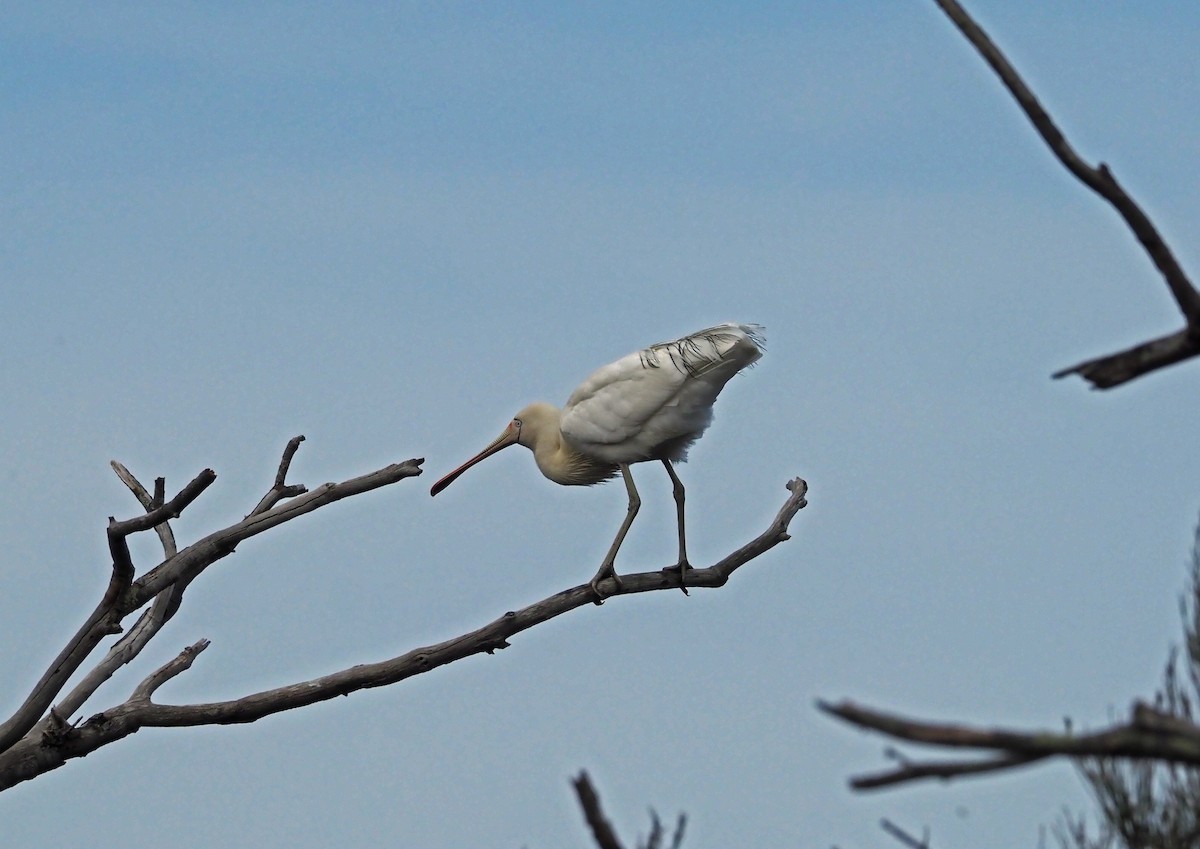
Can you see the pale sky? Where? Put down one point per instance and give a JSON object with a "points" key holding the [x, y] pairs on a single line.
{"points": [[390, 226]]}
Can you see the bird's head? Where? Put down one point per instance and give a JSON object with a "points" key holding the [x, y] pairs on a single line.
{"points": [[525, 428]]}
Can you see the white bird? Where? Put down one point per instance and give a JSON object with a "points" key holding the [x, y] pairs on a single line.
{"points": [[649, 405]]}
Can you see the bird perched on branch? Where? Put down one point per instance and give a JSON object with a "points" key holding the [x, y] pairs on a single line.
{"points": [[649, 405]]}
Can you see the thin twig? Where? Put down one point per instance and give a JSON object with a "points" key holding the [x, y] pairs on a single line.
{"points": [[280, 489], [941, 770], [680, 827], [167, 671], [903, 836], [1148, 734]]}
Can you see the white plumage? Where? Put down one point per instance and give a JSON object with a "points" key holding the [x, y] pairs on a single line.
{"points": [[654, 403], [649, 405]]}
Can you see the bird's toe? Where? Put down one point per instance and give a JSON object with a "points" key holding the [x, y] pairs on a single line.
{"points": [[682, 568], [606, 571]]}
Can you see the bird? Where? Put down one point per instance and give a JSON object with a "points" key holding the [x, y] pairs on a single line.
{"points": [[649, 405]]}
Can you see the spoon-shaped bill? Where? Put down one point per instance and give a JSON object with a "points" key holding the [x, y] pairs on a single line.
{"points": [[509, 437]]}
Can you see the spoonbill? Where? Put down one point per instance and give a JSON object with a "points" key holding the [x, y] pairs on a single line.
{"points": [[649, 405]]}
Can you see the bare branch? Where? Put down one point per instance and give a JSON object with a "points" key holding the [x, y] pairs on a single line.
{"points": [[124, 595], [118, 545], [118, 532], [151, 621], [170, 510], [589, 800], [602, 830], [1114, 369], [125, 649], [104, 620], [903, 836], [941, 770], [680, 828], [280, 489], [1149, 734], [30, 758], [718, 574], [149, 502], [1123, 366], [200, 555], [167, 671], [487, 639], [657, 832]]}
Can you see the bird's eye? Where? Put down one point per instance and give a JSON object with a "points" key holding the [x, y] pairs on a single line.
{"points": [[517, 422]]}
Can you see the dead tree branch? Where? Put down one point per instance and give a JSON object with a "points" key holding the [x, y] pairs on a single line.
{"points": [[160, 676], [602, 830], [104, 620], [200, 555], [589, 800], [281, 489], [909, 840], [152, 619], [149, 502], [44, 746], [1123, 366], [1150, 733], [124, 595]]}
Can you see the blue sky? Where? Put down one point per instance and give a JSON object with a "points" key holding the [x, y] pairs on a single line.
{"points": [[390, 226]]}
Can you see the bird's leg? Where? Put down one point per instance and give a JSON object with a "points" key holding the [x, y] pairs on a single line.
{"points": [[677, 490], [606, 568]]}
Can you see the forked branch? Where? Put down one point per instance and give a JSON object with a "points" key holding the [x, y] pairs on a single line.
{"points": [[1150, 733], [909, 840], [34, 720], [1123, 366], [603, 832], [104, 620], [281, 489]]}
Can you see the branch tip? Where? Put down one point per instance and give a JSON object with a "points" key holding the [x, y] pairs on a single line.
{"points": [[1150, 733], [168, 670], [593, 813]]}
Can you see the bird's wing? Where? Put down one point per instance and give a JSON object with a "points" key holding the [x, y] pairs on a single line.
{"points": [[726, 346], [617, 400], [674, 383]]}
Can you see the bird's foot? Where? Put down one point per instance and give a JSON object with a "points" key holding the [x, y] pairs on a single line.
{"points": [[682, 567], [606, 571]]}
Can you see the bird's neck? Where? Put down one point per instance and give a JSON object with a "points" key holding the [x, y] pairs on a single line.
{"points": [[556, 458], [562, 463], [553, 455]]}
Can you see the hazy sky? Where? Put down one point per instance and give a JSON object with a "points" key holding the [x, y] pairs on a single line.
{"points": [[390, 226]]}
